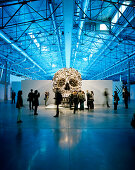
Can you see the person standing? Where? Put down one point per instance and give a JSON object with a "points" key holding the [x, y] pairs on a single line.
{"points": [[91, 100], [88, 99], [75, 101], [30, 99], [81, 97], [46, 97], [106, 94], [36, 101], [58, 99], [13, 97], [19, 105], [116, 99], [71, 100], [126, 96]]}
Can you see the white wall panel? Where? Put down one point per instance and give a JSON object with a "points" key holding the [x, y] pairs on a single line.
{"points": [[132, 92], [2, 91], [16, 86], [98, 86], [41, 86]]}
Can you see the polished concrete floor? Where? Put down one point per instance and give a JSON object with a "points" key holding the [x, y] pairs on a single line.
{"points": [[102, 139]]}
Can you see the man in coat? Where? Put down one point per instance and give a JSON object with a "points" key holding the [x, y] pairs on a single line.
{"points": [[36, 101], [58, 99], [30, 99]]}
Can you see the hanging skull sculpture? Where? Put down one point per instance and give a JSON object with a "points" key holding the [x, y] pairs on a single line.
{"points": [[67, 80]]}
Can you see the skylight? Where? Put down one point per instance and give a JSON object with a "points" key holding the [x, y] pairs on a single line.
{"points": [[90, 56], [53, 65], [34, 39], [118, 14], [44, 48], [103, 27], [85, 59]]}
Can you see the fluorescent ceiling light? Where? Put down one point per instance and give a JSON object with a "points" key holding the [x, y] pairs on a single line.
{"points": [[44, 48], [53, 65], [85, 59], [77, 44], [90, 56]]}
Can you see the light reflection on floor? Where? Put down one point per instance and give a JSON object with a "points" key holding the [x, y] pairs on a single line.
{"points": [[102, 139]]}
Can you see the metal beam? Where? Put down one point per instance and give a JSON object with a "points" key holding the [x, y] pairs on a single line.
{"points": [[52, 11], [7, 39], [17, 63], [16, 72], [116, 35], [68, 27], [24, 31], [116, 65], [119, 3], [36, 11], [24, 2], [12, 16], [123, 15], [81, 23]]}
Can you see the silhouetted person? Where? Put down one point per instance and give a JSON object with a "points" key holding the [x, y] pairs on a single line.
{"points": [[106, 94], [88, 99], [58, 99], [133, 121], [13, 94], [126, 96], [81, 97], [75, 101], [46, 97], [30, 99], [19, 105], [36, 101], [91, 100], [116, 99], [71, 100]]}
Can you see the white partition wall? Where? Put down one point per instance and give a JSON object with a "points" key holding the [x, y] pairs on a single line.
{"points": [[16, 86], [41, 86], [132, 92], [97, 86]]}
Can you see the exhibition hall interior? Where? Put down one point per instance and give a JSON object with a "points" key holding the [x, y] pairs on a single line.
{"points": [[67, 84]]}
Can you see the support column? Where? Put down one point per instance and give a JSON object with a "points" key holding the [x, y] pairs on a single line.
{"points": [[120, 77], [128, 77], [68, 27], [5, 91]]}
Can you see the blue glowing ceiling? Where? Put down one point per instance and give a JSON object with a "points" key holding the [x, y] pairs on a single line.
{"points": [[39, 37]]}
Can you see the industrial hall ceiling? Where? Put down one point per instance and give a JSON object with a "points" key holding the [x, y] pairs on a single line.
{"points": [[95, 37]]}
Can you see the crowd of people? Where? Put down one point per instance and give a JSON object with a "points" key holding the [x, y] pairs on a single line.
{"points": [[33, 99], [76, 99], [33, 103]]}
